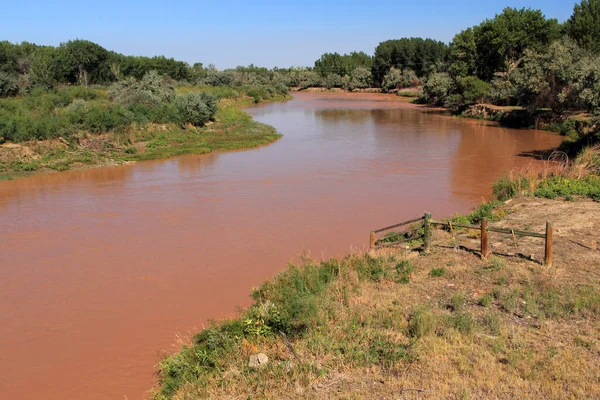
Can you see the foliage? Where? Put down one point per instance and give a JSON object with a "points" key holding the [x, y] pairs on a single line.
{"points": [[396, 79], [557, 186], [467, 90], [546, 78], [342, 65], [82, 62], [584, 25], [196, 108], [420, 55], [500, 42], [360, 78], [8, 84], [149, 91], [438, 86], [484, 211], [463, 54]]}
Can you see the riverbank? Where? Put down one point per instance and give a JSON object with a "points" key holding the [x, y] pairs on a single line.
{"points": [[443, 324], [231, 129], [568, 124]]}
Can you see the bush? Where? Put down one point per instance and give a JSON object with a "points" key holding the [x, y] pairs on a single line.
{"points": [[196, 108], [152, 90], [439, 85], [217, 78], [8, 84], [360, 78], [396, 79]]}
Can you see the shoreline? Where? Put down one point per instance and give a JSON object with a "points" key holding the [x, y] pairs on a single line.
{"points": [[233, 129]]}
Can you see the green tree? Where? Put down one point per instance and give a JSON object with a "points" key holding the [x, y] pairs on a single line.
{"points": [[396, 79], [438, 87], [83, 62], [342, 65], [501, 41], [360, 78], [466, 91], [547, 78], [44, 68], [463, 54], [584, 25], [421, 55], [8, 84]]}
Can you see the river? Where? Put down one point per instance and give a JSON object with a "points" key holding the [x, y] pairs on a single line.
{"points": [[104, 270]]}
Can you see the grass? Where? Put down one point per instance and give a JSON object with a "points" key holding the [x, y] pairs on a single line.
{"points": [[231, 129], [375, 318]]}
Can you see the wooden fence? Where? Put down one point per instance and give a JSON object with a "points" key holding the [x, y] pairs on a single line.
{"points": [[427, 224]]}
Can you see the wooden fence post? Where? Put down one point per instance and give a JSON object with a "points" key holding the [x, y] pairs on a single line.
{"points": [[484, 239], [548, 255], [427, 232], [372, 241]]}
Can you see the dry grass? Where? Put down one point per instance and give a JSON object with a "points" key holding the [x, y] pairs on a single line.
{"points": [[502, 328]]}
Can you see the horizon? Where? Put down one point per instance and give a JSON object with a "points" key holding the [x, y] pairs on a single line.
{"points": [[283, 36]]}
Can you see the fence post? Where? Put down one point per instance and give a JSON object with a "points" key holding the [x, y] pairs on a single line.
{"points": [[426, 232], [548, 255], [484, 239], [372, 241]]}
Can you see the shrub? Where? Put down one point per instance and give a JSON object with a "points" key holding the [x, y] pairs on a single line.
{"points": [[196, 108], [397, 79], [8, 84], [360, 78], [439, 85], [152, 90], [217, 78]]}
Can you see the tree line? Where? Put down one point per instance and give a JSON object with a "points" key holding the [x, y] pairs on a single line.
{"points": [[518, 57]]}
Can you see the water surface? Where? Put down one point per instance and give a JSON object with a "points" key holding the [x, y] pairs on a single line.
{"points": [[102, 270]]}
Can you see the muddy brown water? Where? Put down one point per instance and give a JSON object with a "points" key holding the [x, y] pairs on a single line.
{"points": [[102, 270]]}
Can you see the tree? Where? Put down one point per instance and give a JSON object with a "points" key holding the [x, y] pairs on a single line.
{"points": [[83, 62], [466, 91], [44, 68], [463, 54], [420, 55], [8, 84], [342, 65], [438, 86], [396, 79], [547, 78], [501, 41], [584, 25], [360, 78]]}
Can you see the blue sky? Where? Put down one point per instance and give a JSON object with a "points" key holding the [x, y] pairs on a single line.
{"points": [[266, 33]]}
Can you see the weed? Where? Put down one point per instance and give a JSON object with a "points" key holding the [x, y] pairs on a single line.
{"points": [[404, 269], [457, 302], [493, 323], [485, 301], [462, 322], [437, 272], [421, 322]]}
